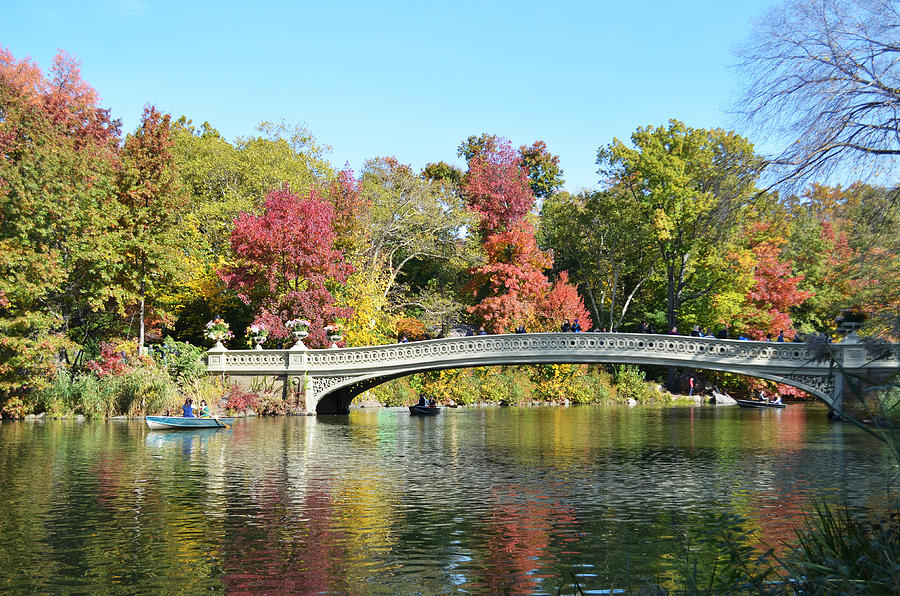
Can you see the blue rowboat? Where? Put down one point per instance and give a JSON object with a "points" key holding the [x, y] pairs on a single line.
{"points": [[177, 422]]}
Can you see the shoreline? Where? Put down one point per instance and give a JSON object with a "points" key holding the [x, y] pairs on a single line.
{"points": [[677, 400]]}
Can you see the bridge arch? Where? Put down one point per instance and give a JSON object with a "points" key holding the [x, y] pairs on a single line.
{"points": [[336, 394]]}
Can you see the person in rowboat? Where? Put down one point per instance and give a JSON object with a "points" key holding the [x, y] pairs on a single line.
{"points": [[204, 409], [188, 409]]}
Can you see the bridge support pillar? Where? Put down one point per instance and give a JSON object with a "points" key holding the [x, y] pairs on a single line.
{"points": [[837, 402]]}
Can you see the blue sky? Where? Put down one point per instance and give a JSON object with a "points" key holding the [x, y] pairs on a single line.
{"points": [[408, 79]]}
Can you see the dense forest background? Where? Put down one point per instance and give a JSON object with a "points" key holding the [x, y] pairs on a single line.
{"points": [[111, 242]]}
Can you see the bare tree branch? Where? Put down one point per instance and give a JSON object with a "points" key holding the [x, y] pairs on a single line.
{"points": [[823, 81]]}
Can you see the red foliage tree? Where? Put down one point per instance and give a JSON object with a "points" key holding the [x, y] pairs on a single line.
{"points": [[287, 263], [510, 287], [511, 283], [562, 302], [497, 187], [775, 291]]}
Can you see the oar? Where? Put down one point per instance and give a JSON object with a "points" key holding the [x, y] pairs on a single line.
{"points": [[216, 418]]}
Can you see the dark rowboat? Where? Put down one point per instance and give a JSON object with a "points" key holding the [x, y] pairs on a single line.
{"points": [[424, 411], [749, 403], [177, 422]]}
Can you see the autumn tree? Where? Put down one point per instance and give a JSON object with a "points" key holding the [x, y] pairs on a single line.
{"points": [[541, 166], [845, 243], [154, 203], [225, 178], [775, 290], [510, 287], [690, 187], [511, 282], [286, 265], [497, 188], [57, 205]]}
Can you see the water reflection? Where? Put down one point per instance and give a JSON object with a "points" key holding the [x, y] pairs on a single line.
{"points": [[479, 500]]}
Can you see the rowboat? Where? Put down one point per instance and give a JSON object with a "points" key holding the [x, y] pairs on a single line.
{"points": [[424, 411], [177, 422], [749, 403]]}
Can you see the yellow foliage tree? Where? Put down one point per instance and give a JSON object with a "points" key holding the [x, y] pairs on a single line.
{"points": [[370, 324]]}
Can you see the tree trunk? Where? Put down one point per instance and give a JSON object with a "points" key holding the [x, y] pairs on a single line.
{"points": [[141, 332], [590, 292], [671, 313]]}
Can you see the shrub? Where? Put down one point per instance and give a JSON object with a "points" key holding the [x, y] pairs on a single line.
{"points": [[140, 390], [593, 388], [840, 553], [183, 361], [464, 389], [134, 392], [630, 383], [395, 393], [238, 400], [411, 328], [560, 382], [211, 389], [881, 406], [271, 405], [494, 385]]}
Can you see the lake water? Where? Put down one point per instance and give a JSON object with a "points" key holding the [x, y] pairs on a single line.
{"points": [[475, 500]]}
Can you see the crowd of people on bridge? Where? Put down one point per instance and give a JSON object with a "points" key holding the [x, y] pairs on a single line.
{"points": [[574, 326]]}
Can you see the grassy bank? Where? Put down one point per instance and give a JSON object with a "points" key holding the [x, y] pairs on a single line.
{"points": [[119, 382]]}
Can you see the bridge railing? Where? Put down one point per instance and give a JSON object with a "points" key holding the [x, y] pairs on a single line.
{"points": [[535, 347]]}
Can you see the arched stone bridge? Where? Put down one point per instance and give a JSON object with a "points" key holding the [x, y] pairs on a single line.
{"points": [[333, 377]]}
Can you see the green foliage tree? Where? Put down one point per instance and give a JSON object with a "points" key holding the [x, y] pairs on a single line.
{"points": [[543, 169], [444, 173], [600, 239], [690, 187], [472, 146], [412, 219]]}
